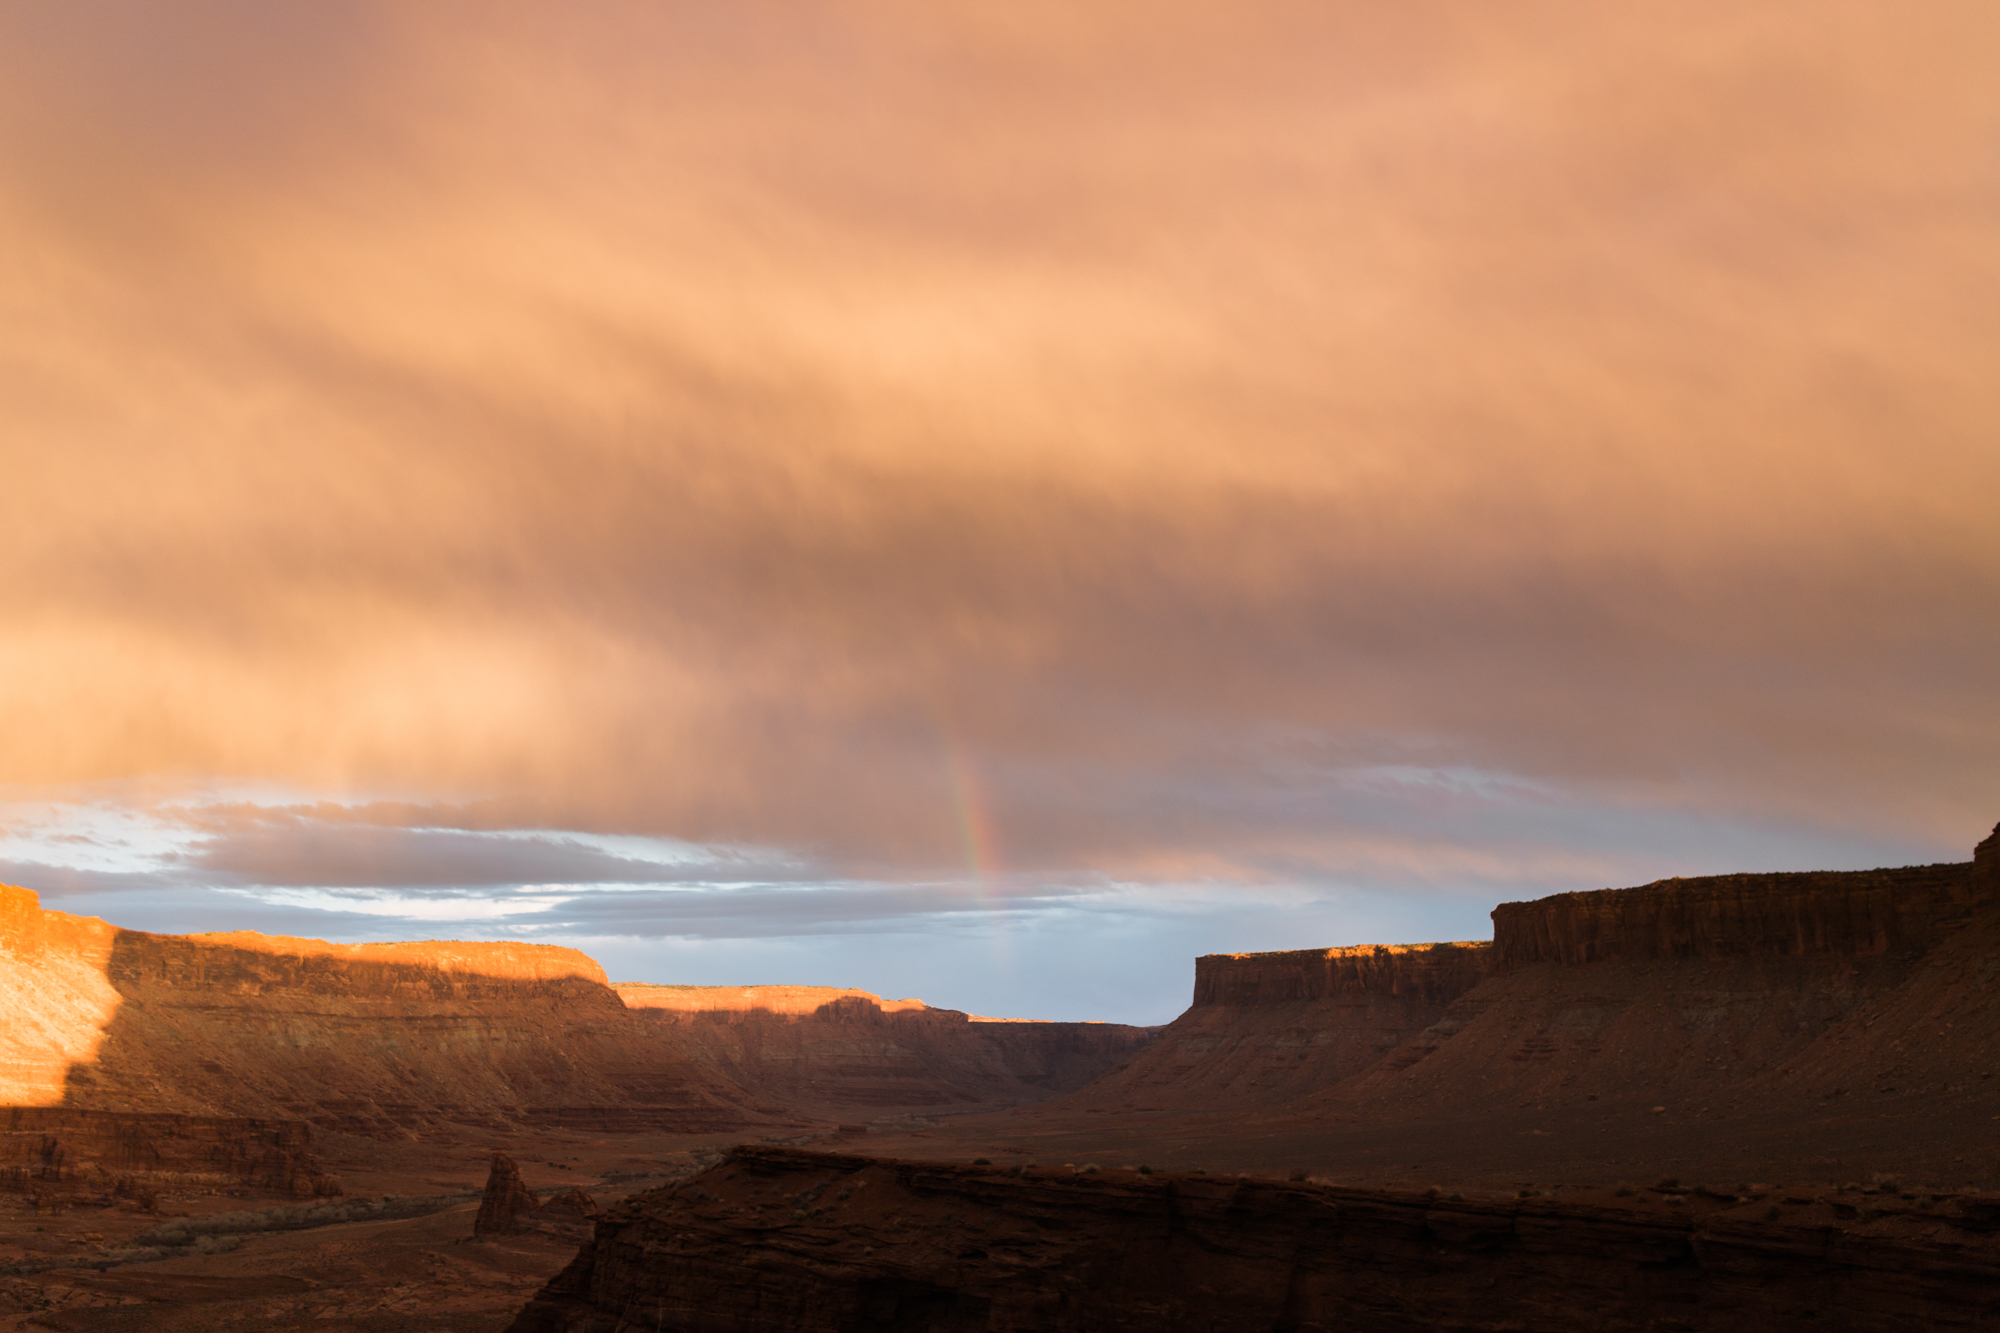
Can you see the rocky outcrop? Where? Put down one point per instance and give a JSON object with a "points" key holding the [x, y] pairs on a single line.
{"points": [[507, 1199], [1986, 865], [64, 1145], [804, 1242], [831, 1052], [574, 1202], [509, 1206], [1846, 913], [1266, 1028]]}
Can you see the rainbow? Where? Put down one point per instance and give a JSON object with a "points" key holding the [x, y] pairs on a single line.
{"points": [[975, 824]]}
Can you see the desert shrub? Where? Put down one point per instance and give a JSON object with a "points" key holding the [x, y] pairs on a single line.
{"points": [[1771, 1213], [1091, 1168], [1525, 1194], [1457, 1197], [1670, 1182], [982, 1161], [1145, 1170], [1624, 1191], [1297, 1173]]}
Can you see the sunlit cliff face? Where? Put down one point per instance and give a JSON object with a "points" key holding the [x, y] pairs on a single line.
{"points": [[1291, 447]]}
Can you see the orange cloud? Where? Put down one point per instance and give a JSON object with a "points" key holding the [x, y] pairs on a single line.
{"points": [[693, 422]]}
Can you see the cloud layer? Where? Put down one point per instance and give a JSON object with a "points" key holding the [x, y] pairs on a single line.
{"points": [[936, 445]]}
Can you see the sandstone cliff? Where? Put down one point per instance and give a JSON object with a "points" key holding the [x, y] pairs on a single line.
{"points": [[1266, 1028], [803, 1242], [394, 1040], [1723, 993], [1710, 993], [384, 1039], [1843, 913], [830, 1051]]}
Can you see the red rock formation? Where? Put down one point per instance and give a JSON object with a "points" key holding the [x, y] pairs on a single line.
{"points": [[1266, 1028], [794, 1001], [384, 1040], [1848, 913], [1733, 991], [1986, 865], [574, 1202], [397, 1039], [828, 1051], [64, 1143], [1715, 991], [507, 1200], [805, 1242], [1430, 975]]}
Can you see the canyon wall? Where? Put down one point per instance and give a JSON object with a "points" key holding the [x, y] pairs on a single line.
{"points": [[1266, 1028], [437, 1037], [52, 1147], [388, 1040], [1849, 913], [840, 1052], [808, 1242], [1718, 992], [1724, 995], [1423, 974]]}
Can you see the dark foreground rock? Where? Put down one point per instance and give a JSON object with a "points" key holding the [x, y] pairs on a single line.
{"points": [[776, 1239]]}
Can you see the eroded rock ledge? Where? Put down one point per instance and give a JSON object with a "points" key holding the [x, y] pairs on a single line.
{"points": [[776, 1239]]}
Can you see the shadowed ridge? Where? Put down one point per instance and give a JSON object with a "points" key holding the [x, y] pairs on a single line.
{"points": [[1266, 1028], [830, 1051], [1721, 995], [1790, 914], [826, 1243], [1680, 989]]}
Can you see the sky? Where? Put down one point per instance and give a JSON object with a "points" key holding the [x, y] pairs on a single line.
{"points": [[987, 502]]}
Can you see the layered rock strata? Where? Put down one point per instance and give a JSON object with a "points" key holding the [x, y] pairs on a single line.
{"points": [[394, 1040], [1716, 991], [832, 1052], [67, 1146], [1724, 994], [1844, 913], [806, 1242], [1265, 1028], [386, 1040]]}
